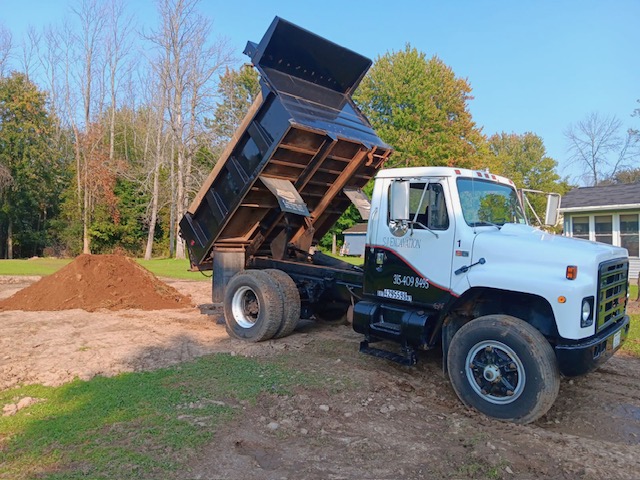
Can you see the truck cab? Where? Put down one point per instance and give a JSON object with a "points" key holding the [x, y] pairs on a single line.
{"points": [[450, 255]]}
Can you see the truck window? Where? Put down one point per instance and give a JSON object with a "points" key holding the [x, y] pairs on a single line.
{"points": [[432, 213], [489, 203]]}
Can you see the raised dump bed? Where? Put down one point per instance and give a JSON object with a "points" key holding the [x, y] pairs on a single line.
{"points": [[281, 181]]}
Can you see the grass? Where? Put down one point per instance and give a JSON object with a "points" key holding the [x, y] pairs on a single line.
{"points": [[352, 260], [134, 425], [171, 268], [36, 266]]}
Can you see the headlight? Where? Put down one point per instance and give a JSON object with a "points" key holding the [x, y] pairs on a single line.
{"points": [[586, 319]]}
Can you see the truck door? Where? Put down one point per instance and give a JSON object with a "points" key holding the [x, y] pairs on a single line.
{"points": [[412, 261]]}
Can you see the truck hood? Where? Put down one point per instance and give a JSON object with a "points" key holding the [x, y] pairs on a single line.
{"points": [[527, 248]]}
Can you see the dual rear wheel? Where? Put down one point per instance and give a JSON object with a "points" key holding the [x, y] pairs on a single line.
{"points": [[261, 304]]}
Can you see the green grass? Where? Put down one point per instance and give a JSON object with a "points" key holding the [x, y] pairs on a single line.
{"points": [[134, 425], [171, 268], [632, 345], [352, 260], [37, 266]]}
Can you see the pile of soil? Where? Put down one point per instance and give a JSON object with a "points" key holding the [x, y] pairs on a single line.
{"points": [[93, 282]]}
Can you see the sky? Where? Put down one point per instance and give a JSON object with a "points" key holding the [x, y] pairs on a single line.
{"points": [[534, 66]]}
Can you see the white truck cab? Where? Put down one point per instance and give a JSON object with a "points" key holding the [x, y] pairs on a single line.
{"points": [[450, 258]]}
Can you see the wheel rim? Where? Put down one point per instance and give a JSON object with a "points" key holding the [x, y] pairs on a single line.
{"points": [[245, 307], [495, 372]]}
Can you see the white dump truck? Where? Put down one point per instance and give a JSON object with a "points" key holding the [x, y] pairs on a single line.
{"points": [[450, 260]]}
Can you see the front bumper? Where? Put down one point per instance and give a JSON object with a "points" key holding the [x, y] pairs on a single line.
{"points": [[579, 358]]}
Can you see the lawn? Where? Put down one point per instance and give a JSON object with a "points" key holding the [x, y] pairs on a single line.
{"points": [[134, 425], [171, 268]]}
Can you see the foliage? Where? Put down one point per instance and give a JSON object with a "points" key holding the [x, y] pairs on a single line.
{"points": [[523, 159], [36, 169], [135, 425], [237, 90], [629, 175], [418, 106]]}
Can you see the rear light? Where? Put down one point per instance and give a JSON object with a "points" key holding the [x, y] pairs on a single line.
{"points": [[572, 272]]}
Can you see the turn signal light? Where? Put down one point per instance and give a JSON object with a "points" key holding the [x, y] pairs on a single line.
{"points": [[572, 272]]}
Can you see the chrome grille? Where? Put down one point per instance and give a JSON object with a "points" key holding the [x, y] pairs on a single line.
{"points": [[612, 292]]}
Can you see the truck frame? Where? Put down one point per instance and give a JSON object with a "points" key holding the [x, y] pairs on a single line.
{"points": [[450, 261]]}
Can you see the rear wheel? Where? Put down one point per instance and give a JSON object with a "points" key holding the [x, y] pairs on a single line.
{"points": [[290, 302], [503, 367], [252, 306]]}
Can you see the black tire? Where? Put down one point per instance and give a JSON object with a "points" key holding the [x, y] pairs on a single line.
{"points": [[332, 313], [290, 302], [252, 306], [504, 368]]}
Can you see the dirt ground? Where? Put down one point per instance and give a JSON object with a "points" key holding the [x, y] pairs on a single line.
{"points": [[380, 421]]}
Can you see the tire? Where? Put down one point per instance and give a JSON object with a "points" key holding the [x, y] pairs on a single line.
{"points": [[332, 313], [290, 302], [504, 368], [252, 306]]}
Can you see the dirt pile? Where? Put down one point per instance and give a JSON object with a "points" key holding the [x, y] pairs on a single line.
{"points": [[93, 282]]}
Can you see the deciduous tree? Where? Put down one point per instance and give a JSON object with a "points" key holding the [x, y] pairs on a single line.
{"points": [[600, 147], [420, 107], [28, 166]]}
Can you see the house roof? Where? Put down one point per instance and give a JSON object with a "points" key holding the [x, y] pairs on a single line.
{"points": [[621, 196], [357, 228]]}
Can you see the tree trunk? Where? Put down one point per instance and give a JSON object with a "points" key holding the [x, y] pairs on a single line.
{"points": [[10, 239], [172, 214], [86, 241], [155, 193]]}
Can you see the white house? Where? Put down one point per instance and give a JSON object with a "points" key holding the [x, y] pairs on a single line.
{"points": [[607, 214]]}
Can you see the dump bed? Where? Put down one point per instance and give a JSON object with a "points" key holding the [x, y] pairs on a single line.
{"points": [[281, 180]]}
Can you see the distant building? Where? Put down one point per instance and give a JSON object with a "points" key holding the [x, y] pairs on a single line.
{"points": [[354, 240], [608, 214]]}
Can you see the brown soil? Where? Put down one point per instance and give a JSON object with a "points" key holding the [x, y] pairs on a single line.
{"points": [[376, 420], [93, 282]]}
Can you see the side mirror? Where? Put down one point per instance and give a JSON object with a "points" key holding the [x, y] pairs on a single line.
{"points": [[399, 201], [553, 205]]}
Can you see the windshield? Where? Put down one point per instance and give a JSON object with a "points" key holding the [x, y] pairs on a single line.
{"points": [[489, 203]]}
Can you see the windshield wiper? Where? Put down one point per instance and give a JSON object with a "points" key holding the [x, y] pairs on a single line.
{"points": [[485, 224]]}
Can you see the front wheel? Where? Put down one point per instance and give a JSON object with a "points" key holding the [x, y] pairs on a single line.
{"points": [[504, 368]]}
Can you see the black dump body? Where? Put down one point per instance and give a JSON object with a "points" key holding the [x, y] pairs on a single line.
{"points": [[280, 182]]}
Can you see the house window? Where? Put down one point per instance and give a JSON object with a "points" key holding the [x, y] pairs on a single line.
{"points": [[604, 229], [629, 234], [581, 227]]}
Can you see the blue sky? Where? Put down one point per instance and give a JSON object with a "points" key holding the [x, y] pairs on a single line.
{"points": [[533, 65]]}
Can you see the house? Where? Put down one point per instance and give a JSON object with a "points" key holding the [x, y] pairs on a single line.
{"points": [[607, 214], [354, 240]]}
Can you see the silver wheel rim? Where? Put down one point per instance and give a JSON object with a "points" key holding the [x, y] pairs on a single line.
{"points": [[495, 372], [245, 307]]}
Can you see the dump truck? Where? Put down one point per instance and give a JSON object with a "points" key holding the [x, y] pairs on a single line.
{"points": [[450, 259]]}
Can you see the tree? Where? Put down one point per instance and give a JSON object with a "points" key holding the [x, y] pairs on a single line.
{"points": [[630, 175], [187, 64], [28, 165], [420, 107], [523, 159], [5, 48], [600, 148], [237, 90]]}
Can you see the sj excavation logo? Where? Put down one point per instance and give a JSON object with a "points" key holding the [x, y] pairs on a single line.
{"points": [[405, 242]]}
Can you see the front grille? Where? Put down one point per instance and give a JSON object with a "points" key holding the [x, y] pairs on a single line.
{"points": [[612, 291]]}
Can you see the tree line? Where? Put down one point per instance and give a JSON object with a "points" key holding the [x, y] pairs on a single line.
{"points": [[107, 129]]}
